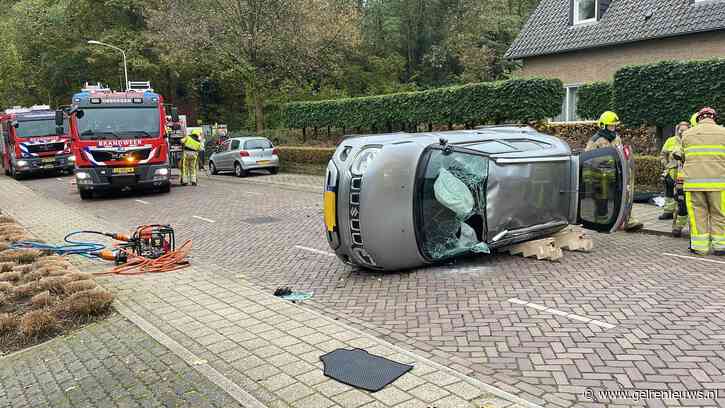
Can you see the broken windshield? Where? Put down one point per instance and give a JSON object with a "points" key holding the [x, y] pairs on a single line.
{"points": [[116, 122], [451, 204]]}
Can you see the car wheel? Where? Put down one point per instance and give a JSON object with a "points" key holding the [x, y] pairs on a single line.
{"points": [[212, 168], [273, 170], [165, 189], [238, 170], [13, 173], [86, 194]]}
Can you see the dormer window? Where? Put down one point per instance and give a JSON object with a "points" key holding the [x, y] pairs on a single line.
{"points": [[585, 11]]}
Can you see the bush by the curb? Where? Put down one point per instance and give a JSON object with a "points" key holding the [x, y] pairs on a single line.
{"points": [[593, 99]]}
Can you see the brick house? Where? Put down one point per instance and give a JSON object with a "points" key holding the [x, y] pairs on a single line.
{"points": [[581, 41]]}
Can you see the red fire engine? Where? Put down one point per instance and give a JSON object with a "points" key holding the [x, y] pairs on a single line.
{"points": [[119, 139], [32, 143]]}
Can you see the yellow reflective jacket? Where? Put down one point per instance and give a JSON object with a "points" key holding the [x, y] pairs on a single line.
{"points": [[667, 155], [704, 148], [189, 143]]}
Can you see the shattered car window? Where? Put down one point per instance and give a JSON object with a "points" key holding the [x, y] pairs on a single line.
{"points": [[452, 204]]}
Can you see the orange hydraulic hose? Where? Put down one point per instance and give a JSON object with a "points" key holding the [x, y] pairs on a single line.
{"points": [[139, 265]]}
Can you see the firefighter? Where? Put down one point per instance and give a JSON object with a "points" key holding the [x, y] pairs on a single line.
{"points": [[704, 184], [670, 163], [607, 136], [191, 146]]}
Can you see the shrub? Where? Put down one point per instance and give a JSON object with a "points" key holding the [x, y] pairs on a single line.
{"points": [[593, 99], [88, 302], [78, 276], [9, 276], [54, 284], [8, 322], [42, 299], [648, 171], [6, 219], [6, 287], [37, 323], [520, 100], [27, 290], [79, 286], [306, 155], [22, 256], [6, 266], [668, 92]]}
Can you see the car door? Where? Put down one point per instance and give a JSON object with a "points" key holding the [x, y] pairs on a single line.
{"points": [[606, 188], [234, 153], [221, 157]]}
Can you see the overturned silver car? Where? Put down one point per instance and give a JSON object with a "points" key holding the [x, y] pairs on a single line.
{"points": [[399, 201]]}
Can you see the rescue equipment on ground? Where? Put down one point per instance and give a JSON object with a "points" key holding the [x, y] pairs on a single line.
{"points": [[149, 249]]}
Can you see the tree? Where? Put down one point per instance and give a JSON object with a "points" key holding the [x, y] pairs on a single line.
{"points": [[260, 42]]}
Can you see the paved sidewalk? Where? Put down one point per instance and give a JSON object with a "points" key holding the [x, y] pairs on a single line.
{"points": [[261, 350], [111, 363], [286, 180], [647, 214]]}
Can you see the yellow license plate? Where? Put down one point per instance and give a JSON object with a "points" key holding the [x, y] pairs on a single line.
{"points": [[263, 162], [49, 160], [330, 211], [124, 170]]}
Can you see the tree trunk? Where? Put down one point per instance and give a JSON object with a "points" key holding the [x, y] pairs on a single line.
{"points": [[430, 127], [259, 112], [450, 125], [328, 132], [390, 128], [659, 137], [304, 135]]}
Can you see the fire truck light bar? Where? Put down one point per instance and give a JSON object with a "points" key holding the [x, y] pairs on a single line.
{"points": [[115, 100]]}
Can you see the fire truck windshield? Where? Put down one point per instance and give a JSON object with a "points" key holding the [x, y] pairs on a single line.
{"points": [[113, 122], [36, 128]]}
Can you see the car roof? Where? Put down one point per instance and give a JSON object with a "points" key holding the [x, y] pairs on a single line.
{"points": [[247, 138]]}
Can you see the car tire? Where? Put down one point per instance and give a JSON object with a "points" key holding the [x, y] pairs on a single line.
{"points": [[86, 194], [212, 168], [14, 174], [273, 170], [239, 170], [165, 189]]}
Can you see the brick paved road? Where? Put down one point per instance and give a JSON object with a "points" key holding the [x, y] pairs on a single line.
{"points": [[107, 364], [666, 311]]}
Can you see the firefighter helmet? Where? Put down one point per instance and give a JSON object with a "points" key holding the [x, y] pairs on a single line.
{"points": [[707, 113], [608, 118]]}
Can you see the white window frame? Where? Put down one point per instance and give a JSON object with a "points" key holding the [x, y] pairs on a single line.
{"points": [[577, 20], [565, 108]]}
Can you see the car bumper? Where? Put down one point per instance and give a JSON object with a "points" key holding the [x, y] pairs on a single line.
{"points": [[251, 163], [145, 176], [39, 165]]}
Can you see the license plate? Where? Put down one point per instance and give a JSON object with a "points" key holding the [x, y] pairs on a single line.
{"points": [[49, 160], [123, 170], [47, 166], [330, 211], [263, 161]]}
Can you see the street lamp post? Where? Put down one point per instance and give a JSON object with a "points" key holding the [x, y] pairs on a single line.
{"points": [[123, 53]]}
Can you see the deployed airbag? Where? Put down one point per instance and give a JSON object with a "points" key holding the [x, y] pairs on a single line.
{"points": [[451, 192]]}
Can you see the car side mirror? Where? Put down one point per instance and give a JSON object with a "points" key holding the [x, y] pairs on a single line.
{"points": [[80, 114], [174, 114], [59, 117]]}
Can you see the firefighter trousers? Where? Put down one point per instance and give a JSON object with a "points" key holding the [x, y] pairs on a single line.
{"points": [[189, 166], [670, 203], [707, 220]]}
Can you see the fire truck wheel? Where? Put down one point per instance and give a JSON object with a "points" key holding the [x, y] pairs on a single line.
{"points": [[238, 170], [212, 168], [86, 194]]}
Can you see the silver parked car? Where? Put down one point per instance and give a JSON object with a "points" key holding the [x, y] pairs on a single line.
{"points": [[242, 154], [401, 200]]}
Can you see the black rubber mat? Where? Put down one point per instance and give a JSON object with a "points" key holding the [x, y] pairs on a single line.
{"points": [[361, 369]]}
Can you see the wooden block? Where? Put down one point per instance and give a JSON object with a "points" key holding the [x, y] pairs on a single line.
{"points": [[541, 248], [573, 240]]}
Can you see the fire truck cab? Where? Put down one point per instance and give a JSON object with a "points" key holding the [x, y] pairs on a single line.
{"points": [[32, 143], [118, 139]]}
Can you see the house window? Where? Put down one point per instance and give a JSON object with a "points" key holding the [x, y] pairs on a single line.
{"points": [[585, 11], [568, 108]]}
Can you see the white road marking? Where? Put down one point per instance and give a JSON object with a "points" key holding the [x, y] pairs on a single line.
{"points": [[317, 251], [252, 193], [203, 219], [562, 313], [59, 179], [141, 201], [695, 258]]}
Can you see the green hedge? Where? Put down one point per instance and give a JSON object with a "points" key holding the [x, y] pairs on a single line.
{"points": [[305, 155], [519, 100], [648, 173], [577, 134], [593, 99], [666, 93]]}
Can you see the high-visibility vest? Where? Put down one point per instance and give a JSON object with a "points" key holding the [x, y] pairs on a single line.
{"points": [[704, 148], [191, 144]]}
